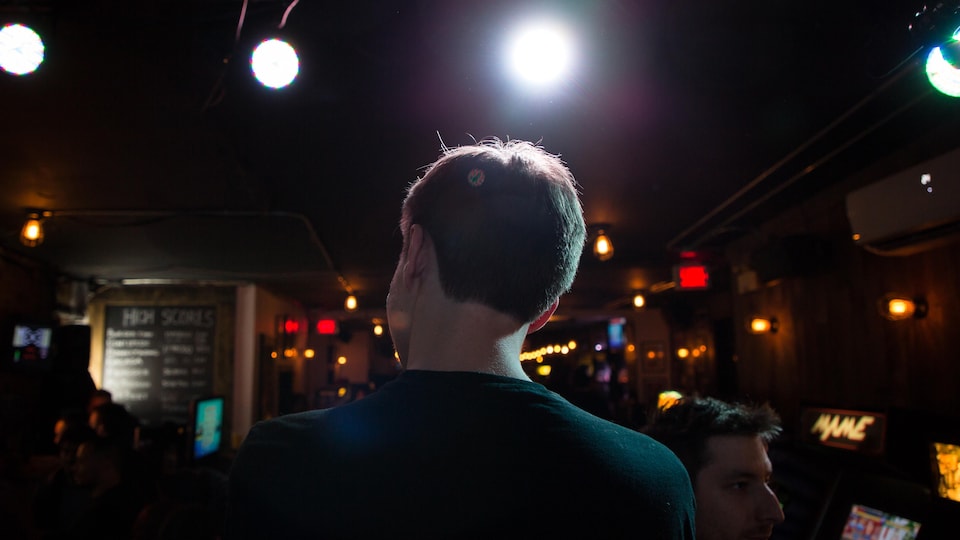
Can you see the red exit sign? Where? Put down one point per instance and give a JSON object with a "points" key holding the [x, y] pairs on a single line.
{"points": [[691, 277]]}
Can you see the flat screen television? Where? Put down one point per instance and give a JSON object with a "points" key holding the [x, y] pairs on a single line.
{"points": [[866, 523], [30, 346], [945, 467], [207, 426]]}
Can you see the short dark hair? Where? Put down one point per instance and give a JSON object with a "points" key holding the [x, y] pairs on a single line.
{"points": [[506, 222], [686, 426]]}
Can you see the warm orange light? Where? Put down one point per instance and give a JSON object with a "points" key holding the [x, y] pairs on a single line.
{"points": [[31, 235], [683, 352], [602, 246], [572, 345], [350, 304], [897, 307], [309, 353], [378, 329], [544, 370], [639, 301], [762, 325], [901, 308], [342, 391], [759, 326], [342, 360]]}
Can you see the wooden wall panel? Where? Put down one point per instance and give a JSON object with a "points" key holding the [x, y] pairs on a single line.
{"points": [[833, 347]]}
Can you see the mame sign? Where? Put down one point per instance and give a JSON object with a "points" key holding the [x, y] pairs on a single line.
{"points": [[851, 430]]}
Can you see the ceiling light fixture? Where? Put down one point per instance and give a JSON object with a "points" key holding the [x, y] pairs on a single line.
{"points": [[31, 235], [602, 245], [21, 49], [275, 62]]}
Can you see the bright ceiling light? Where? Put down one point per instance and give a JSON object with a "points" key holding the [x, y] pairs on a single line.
{"points": [[21, 49], [602, 246], [943, 75], [540, 54], [941, 66], [275, 63]]}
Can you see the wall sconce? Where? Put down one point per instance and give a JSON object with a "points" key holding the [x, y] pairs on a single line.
{"points": [[31, 235], [602, 246], [897, 307], [763, 325]]}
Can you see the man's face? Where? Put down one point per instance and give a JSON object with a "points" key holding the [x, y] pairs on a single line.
{"points": [[733, 498]]}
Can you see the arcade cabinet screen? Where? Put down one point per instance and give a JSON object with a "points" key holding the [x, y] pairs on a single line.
{"points": [[615, 338], [207, 427], [946, 470], [31, 344], [865, 523]]}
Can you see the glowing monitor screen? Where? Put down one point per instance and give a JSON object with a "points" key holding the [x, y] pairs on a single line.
{"points": [[946, 470], [31, 344], [207, 427], [615, 337], [865, 523]]}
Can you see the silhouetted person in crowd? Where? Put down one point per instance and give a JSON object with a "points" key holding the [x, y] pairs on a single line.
{"points": [[67, 421], [60, 500], [116, 500], [97, 398], [724, 448], [112, 420], [462, 444]]}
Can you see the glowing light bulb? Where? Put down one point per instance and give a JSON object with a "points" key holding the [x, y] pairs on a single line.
{"points": [[275, 63]]}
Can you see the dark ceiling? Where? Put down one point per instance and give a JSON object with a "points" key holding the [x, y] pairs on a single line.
{"points": [[161, 158]]}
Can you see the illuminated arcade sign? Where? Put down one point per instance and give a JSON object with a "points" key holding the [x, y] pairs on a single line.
{"points": [[851, 430]]}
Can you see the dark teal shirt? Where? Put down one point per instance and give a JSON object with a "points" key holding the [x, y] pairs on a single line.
{"points": [[456, 455]]}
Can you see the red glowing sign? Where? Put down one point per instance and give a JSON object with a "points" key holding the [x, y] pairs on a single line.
{"points": [[327, 327], [692, 277], [291, 326]]}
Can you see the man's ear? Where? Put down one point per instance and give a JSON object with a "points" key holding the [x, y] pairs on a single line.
{"points": [[543, 318], [416, 257]]}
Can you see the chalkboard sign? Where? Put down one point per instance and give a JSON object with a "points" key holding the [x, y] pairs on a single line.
{"points": [[158, 358]]}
